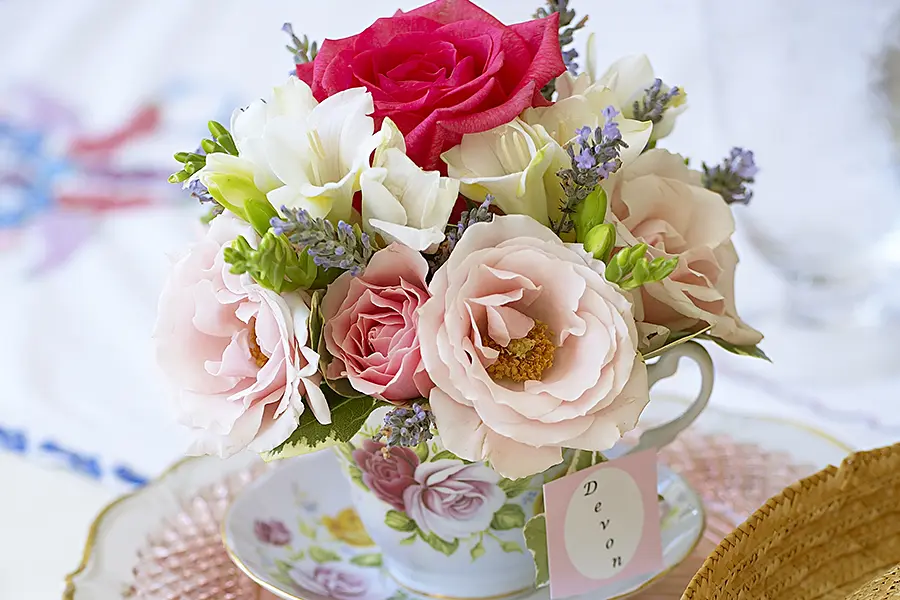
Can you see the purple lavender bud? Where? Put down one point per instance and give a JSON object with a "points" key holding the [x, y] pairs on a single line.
{"points": [[742, 163], [585, 159], [584, 135]]}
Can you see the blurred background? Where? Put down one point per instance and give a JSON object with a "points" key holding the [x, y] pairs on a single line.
{"points": [[96, 95]]}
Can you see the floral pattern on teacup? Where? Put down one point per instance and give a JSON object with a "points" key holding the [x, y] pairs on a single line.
{"points": [[438, 498]]}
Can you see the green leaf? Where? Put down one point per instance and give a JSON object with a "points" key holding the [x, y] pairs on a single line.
{"points": [[510, 516], [443, 454], [367, 560], [514, 487], [321, 555], [536, 542], [282, 566], [357, 477], [297, 556], [511, 547], [477, 551], [753, 351], [284, 579], [348, 415], [675, 341], [582, 460], [306, 530], [409, 540], [346, 451], [399, 521], [442, 546], [422, 451]]}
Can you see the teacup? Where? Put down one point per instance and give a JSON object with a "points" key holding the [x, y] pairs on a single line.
{"points": [[453, 528]]}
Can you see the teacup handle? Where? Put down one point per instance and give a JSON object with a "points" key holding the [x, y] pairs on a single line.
{"points": [[666, 366]]}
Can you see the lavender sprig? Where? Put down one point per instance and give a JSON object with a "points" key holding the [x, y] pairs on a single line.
{"points": [[302, 49], [406, 427], [344, 247], [566, 37], [654, 102], [595, 156], [731, 179], [479, 214]]}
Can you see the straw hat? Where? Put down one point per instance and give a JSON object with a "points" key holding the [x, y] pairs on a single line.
{"points": [[832, 536]]}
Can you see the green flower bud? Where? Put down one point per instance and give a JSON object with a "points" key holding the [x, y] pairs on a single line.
{"points": [[210, 146], [182, 157], [259, 213], [232, 191], [614, 270], [179, 177], [590, 213], [661, 268], [600, 240], [639, 275], [228, 144], [217, 129]]}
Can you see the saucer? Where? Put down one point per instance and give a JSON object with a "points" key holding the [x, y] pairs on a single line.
{"points": [[294, 532]]}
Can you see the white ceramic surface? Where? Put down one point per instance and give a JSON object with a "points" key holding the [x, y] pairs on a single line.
{"points": [[311, 499]]}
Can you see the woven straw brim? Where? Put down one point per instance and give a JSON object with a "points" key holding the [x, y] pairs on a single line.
{"points": [[881, 588], [821, 538]]}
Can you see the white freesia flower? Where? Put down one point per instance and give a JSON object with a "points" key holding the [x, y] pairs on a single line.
{"points": [[629, 78], [585, 108], [516, 163], [298, 153], [401, 201]]}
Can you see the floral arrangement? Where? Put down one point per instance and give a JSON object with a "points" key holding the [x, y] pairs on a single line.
{"points": [[444, 216]]}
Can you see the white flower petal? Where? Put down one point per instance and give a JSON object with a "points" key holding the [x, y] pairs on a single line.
{"points": [[422, 240]]}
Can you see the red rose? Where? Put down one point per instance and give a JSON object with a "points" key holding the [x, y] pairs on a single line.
{"points": [[441, 71], [386, 477]]}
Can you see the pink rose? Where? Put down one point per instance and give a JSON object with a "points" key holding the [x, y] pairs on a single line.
{"points": [[370, 326], [389, 477], [452, 499], [441, 71], [531, 350], [658, 200], [236, 353]]}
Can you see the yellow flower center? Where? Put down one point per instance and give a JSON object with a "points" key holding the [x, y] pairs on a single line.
{"points": [[255, 351], [524, 359]]}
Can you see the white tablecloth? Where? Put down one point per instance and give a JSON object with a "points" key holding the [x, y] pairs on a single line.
{"points": [[95, 95]]}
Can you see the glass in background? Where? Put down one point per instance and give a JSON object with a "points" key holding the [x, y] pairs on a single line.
{"points": [[802, 84]]}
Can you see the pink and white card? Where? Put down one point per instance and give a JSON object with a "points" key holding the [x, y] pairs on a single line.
{"points": [[603, 525]]}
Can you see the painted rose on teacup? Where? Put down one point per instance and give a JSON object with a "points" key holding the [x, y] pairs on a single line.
{"points": [[386, 475], [452, 499]]}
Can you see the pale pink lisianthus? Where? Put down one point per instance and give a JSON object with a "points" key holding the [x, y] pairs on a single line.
{"points": [[371, 326], [502, 277], [657, 199], [235, 352]]}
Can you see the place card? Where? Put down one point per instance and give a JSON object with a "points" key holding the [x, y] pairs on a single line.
{"points": [[603, 525]]}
